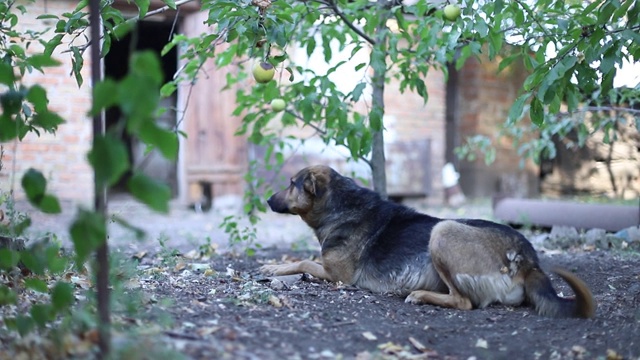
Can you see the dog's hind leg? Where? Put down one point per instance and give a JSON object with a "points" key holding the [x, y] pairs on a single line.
{"points": [[472, 262], [451, 300], [438, 249]]}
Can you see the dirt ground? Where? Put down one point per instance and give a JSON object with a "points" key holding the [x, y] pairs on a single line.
{"points": [[237, 313], [219, 306]]}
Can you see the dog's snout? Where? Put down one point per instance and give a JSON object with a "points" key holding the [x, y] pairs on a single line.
{"points": [[277, 204], [270, 201]]}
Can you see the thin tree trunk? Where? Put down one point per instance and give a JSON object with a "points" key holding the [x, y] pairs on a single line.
{"points": [[378, 160], [100, 194]]}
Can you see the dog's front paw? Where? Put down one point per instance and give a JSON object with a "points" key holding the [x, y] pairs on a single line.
{"points": [[271, 270], [414, 298]]}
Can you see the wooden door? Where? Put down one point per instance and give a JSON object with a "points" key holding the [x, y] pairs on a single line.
{"points": [[211, 154]]}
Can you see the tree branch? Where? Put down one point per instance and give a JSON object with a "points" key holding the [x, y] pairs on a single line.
{"points": [[347, 22], [148, 14], [166, 8], [601, 108], [323, 132]]}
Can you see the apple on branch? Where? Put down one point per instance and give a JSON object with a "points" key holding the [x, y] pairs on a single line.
{"points": [[451, 12], [263, 72], [278, 105]]}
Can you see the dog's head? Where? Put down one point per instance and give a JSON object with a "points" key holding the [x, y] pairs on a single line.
{"points": [[307, 190]]}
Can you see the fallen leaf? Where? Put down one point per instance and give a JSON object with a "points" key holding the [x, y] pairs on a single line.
{"points": [[369, 336], [132, 284], [200, 267], [180, 266], [578, 350], [81, 282], [328, 354], [209, 272], [274, 301], [204, 331], [365, 355], [390, 347], [193, 254], [140, 255], [482, 343], [613, 355], [417, 344]]}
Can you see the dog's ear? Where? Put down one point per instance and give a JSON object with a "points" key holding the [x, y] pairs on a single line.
{"points": [[310, 183], [315, 184]]}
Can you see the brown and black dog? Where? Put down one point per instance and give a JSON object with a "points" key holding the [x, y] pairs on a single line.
{"points": [[386, 247]]}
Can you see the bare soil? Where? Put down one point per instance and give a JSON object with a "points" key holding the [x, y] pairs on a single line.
{"points": [[220, 307], [237, 313]]}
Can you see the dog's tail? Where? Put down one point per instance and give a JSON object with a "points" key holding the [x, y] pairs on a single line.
{"points": [[543, 297]]}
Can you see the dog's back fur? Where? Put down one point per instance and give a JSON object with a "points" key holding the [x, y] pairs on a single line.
{"points": [[387, 247]]}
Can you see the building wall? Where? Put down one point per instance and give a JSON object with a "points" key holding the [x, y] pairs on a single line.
{"points": [[60, 157], [483, 103], [410, 120], [415, 132]]}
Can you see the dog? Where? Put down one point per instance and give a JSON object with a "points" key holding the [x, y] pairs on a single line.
{"points": [[386, 247]]}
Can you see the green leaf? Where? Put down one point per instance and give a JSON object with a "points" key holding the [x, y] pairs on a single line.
{"points": [[32, 261], [150, 192], [8, 259], [168, 89], [516, 109], [52, 44], [49, 204], [7, 296], [143, 7], [37, 285], [7, 76], [147, 64], [105, 94], [508, 61], [121, 30], [166, 141], [55, 263], [47, 16], [536, 112], [170, 3], [138, 98], [24, 324], [37, 96], [76, 65], [375, 118], [49, 121], [81, 5], [21, 226], [357, 91], [109, 159], [62, 296], [88, 231], [106, 46], [34, 185], [42, 314], [11, 101], [39, 61]]}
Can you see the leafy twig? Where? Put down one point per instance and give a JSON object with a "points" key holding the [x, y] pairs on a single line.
{"points": [[347, 22]]}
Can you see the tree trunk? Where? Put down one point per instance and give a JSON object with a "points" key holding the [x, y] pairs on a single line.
{"points": [[100, 195], [378, 160]]}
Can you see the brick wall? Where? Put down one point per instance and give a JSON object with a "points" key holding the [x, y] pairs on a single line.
{"points": [[409, 119], [484, 100], [60, 157]]}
